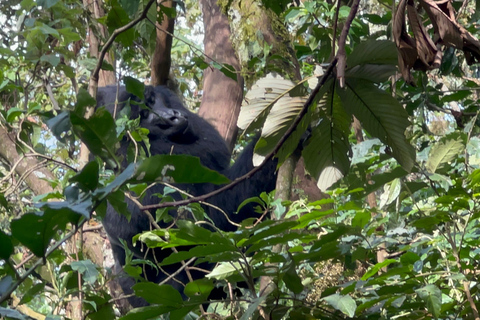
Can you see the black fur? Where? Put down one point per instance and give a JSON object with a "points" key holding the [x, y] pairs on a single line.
{"points": [[174, 129]]}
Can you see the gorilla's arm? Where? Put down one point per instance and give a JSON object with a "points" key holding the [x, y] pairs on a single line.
{"points": [[262, 181]]}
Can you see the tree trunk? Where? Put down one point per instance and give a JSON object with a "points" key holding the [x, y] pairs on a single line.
{"points": [[162, 59], [222, 96]]}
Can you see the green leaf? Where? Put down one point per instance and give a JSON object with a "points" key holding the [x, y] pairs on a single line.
{"points": [[88, 177], [41, 228], [131, 7], [3, 202], [13, 113], [361, 219], [226, 69], [199, 290], [391, 192], [373, 52], [87, 269], [373, 270], [98, 133], [149, 312], [223, 270], [52, 59], [60, 124], [11, 314], [327, 151], [432, 296], [380, 115], [252, 308], [445, 151], [117, 200], [274, 228], [47, 30], [344, 304], [135, 87], [75, 204], [277, 6], [376, 73], [175, 168], [47, 4], [84, 100], [270, 96], [116, 184], [211, 251], [117, 18], [32, 293], [291, 279], [6, 249], [164, 295]]}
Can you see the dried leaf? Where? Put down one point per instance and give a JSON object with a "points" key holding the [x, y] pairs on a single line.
{"points": [[426, 49], [407, 51], [449, 32]]}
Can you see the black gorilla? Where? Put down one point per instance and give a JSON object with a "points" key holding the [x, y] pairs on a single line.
{"points": [[174, 129]]}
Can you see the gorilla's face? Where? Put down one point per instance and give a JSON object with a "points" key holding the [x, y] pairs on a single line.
{"points": [[164, 122]]}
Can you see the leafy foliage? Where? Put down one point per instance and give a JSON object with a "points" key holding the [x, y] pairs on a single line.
{"points": [[419, 162]]}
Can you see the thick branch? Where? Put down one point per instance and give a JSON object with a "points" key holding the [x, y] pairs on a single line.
{"points": [[36, 180]]}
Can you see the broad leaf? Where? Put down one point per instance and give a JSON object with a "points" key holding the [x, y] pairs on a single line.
{"points": [[344, 304], [327, 152], [87, 269], [6, 249], [164, 295], [372, 72], [262, 97], [445, 151], [381, 115], [432, 296], [98, 133], [88, 177], [175, 169], [135, 87], [60, 124], [116, 18], [373, 52], [42, 228]]}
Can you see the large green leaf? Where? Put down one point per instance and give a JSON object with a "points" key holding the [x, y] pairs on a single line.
{"points": [[267, 94], [98, 132], [164, 295], [6, 249], [381, 115], [373, 52], [326, 154], [271, 102], [116, 18], [36, 231], [372, 72], [176, 168], [445, 150], [372, 60], [343, 303], [432, 296]]}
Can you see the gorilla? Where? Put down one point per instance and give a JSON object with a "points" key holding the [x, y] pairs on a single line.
{"points": [[173, 129]]}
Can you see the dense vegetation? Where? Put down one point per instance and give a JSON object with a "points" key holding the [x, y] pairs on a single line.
{"points": [[385, 111]]}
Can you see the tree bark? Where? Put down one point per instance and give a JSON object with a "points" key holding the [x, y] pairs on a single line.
{"points": [[96, 8], [162, 59], [36, 180], [222, 96]]}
